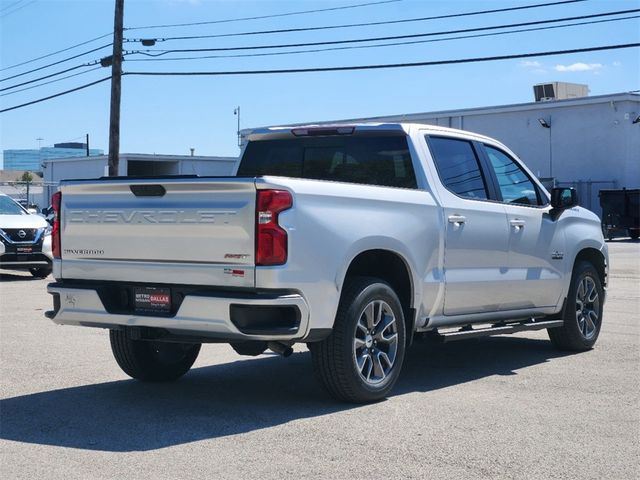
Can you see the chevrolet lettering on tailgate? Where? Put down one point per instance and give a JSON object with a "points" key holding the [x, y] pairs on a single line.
{"points": [[149, 216]]}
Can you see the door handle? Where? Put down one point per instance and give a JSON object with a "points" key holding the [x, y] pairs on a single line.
{"points": [[517, 224], [457, 220]]}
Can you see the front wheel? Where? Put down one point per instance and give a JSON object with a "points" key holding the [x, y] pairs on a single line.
{"points": [[152, 361], [361, 360], [583, 311]]}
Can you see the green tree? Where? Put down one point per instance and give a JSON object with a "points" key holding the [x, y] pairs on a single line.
{"points": [[25, 177]]}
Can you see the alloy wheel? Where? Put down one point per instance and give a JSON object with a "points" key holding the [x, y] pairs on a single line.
{"points": [[375, 343]]}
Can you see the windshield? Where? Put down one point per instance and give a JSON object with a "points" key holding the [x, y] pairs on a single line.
{"points": [[9, 207]]}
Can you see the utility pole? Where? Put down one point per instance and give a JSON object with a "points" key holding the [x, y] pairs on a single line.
{"points": [[88, 145], [237, 112], [116, 78], [550, 149]]}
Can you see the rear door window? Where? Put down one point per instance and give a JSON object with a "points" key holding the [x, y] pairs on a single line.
{"points": [[458, 167], [372, 160]]}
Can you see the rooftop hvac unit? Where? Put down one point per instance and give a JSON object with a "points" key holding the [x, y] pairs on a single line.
{"points": [[544, 92]]}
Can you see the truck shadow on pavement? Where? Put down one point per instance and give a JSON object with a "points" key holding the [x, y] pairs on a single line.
{"points": [[237, 397], [6, 277]]}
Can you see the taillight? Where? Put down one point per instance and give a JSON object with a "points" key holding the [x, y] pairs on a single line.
{"points": [[56, 200], [271, 238]]}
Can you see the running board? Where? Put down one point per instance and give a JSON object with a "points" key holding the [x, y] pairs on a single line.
{"points": [[469, 332]]}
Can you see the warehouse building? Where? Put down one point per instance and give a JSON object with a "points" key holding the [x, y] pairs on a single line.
{"points": [[132, 164], [564, 137]]}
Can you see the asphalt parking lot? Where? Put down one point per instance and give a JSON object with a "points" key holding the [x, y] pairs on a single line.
{"points": [[503, 407]]}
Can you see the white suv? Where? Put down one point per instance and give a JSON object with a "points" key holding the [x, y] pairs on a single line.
{"points": [[25, 239]]}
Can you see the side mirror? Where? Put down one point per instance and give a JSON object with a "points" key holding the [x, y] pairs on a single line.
{"points": [[563, 198]]}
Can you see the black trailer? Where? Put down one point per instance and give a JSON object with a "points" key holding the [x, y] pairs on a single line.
{"points": [[620, 213]]}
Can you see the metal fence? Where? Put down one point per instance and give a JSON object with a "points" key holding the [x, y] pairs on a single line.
{"points": [[33, 193]]}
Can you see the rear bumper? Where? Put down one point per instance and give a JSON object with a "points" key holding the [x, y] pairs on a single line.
{"points": [[216, 316]]}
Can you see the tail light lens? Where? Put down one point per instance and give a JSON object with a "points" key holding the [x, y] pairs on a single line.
{"points": [[271, 238], [56, 201]]}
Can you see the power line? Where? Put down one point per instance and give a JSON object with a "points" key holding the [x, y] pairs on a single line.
{"points": [[318, 50], [375, 39], [54, 63], [61, 72], [351, 25], [279, 31], [6, 14], [391, 65], [50, 81], [288, 14], [56, 52], [353, 47], [10, 6], [56, 95], [342, 68], [308, 51]]}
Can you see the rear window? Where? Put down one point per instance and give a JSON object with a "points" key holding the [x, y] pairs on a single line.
{"points": [[380, 160]]}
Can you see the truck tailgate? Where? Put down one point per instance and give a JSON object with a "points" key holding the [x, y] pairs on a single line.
{"points": [[194, 231]]}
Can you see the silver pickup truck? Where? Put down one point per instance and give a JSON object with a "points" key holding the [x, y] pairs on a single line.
{"points": [[349, 238]]}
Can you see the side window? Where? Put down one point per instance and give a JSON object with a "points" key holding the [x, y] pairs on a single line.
{"points": [[458, 167], [515, 185]]}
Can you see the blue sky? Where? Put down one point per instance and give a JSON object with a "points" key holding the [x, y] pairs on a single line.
{"points": [[171, 114]]}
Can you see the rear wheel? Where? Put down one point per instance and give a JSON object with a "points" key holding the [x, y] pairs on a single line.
{"points": [[152, 361], [583, 311], [361, 360], [634, 233]]}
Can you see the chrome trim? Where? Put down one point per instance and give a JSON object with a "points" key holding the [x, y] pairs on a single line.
{"points": [[197, 314], [39, 233]]}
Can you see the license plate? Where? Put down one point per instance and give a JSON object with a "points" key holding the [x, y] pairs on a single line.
{"points": [[152, 300]]}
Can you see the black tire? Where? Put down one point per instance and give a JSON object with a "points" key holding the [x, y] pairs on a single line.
{"points": [[152, 361], [40, 272], [581, 329], [335, 359], [634, 233]]}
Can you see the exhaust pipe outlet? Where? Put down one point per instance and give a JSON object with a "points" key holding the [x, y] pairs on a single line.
{"points": [[280, 348]]}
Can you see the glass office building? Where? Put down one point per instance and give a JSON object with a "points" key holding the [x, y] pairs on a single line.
{"points": [[32, 160]]}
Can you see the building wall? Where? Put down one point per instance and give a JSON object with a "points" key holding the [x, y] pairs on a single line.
{"points": [[81, 167], [592, 143], [25, 159], [222, 167], [585, 142], [95, 167]]}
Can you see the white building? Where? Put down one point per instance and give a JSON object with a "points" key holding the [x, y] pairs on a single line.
{"points": [[132, 164], [591, 143]]}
